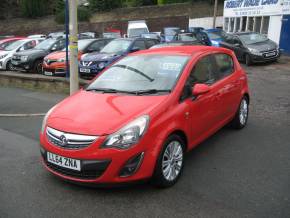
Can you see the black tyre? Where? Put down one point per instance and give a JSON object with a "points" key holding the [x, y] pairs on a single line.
{"points": [[248, 60], [9, 66], [241, 118], [37, 67], [169, 165]]}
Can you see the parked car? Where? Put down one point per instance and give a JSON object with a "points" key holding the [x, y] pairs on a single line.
{"points": [[87, 35], [169, 33], [7, 41], [215, 36], [188, 38], [168, 44], [151, 36], [55, 63], [8, 52], [139, 117], [37, 36], [137, 28], [60, 34], [252, 47], [93, 63], [31, 60]]}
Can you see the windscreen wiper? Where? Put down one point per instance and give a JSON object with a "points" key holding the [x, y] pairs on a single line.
{"points": [[104, 90], [134, 70], [152, 91]]}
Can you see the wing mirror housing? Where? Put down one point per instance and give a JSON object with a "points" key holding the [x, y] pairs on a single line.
{"points": [[134, 49], [200, 89]]}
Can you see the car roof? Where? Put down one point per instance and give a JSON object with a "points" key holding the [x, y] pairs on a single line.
{"points": [[183, 50]]}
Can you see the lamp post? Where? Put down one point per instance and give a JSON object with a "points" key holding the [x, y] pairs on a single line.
{"points": [[215, 13]]}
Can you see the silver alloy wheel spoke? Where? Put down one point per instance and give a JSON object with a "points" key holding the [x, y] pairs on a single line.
{"points": [[243, 112], [172, 160]]}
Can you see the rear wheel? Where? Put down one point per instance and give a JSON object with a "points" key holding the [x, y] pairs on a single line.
{"points": [[37, 68], [170, 162], [248, 60], [241, 118]]}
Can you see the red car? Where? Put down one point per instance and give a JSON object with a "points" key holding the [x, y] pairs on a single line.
{"points": [[139, 116], [5, 42]]}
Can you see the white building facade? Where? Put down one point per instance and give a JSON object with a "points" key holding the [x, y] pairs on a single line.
{"points": [[269, 17]]}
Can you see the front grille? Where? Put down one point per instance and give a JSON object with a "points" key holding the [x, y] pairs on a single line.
{"points": [[90, 169], [16, 58], [265, 53], [68, 140], [86, 63]]}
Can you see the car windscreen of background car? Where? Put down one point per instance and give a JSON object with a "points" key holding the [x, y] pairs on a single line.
{"points": [[13, 46], [137, 31], [142, 72], [46, 44], [187, 37], [116, 46], [253, 38]]}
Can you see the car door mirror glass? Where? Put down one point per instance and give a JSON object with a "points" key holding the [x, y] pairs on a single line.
{"points": [[199, 89]]}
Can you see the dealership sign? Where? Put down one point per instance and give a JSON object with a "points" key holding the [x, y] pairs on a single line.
{"points": [[237, 8]]}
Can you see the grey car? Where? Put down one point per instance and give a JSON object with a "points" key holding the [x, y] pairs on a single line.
{"points": [[252, 47]]}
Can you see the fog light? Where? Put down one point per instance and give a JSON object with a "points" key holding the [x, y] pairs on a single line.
{"points": [[132, 165]]}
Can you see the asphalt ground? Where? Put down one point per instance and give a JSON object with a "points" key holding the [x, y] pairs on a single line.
{"points": [[232, 174]]}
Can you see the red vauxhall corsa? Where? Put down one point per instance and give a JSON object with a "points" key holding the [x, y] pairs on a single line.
{"points": [[137, 119]]}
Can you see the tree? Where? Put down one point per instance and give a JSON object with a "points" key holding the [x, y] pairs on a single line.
{"points": [[33, 8], [104, 5]]}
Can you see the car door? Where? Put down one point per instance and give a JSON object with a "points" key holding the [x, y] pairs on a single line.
{"points": [[203, 113], [229, 83], [238, 47]]}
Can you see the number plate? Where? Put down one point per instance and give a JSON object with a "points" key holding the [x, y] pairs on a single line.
{"points": [[64, 161], [85, 70], [47, 73], [270, 54]]}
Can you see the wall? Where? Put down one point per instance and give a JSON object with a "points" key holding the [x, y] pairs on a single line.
{"points": [[275, 28], [206, 22]]}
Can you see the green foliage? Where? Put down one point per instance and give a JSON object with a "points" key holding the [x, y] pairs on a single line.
{"points": [[84, 14], [104, 5], [33, 8], [59, 6]]}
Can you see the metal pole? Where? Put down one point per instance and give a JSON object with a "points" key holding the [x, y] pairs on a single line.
{"points": [[215, 13], [73, 46], [66, 37]]}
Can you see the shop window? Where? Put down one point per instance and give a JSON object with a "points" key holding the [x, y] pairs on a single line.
{"points": [[244, 24], [231, 26], [250, 23], [257, 26], [265, 25], [238, 23], [226, 24]]}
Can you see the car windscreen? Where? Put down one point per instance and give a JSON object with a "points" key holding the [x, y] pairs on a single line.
{"points": [[137, 31], [252, 38], [187, 37], [142, 72], [82, 44], [216, 35], [13, 45], [46, 44], [116, 46], [171, 31]]}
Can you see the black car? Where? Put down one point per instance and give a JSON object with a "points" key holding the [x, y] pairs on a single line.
{"points": [[252, 47], [31, 60], [93, 63], [188, 38]]}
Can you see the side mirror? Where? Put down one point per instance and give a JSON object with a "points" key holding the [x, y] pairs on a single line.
{"points": [[134, 49], [200, 89]]}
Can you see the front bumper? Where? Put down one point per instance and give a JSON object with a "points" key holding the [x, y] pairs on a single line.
{"points": [[19, 65], [108, 162], [263, 58]]}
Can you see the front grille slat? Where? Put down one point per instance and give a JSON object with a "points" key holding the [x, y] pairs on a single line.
{"points": [[69, 140]]}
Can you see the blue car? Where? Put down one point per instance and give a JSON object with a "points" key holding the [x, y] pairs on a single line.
{"points": [[215, 36], [93, 63]]}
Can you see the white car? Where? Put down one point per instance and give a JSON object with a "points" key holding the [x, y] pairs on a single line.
{"points": [[37, 36], [137, 28], [20, 45]]}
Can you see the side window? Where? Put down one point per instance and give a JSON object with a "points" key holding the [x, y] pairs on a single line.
{"points": [[96, 46], [150, 43], [225, 65], [61, 44], [140, 44], [203, 72], [29, 45]]}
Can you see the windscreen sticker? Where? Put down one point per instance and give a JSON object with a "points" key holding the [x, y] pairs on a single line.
{"points": [[170, 66]]}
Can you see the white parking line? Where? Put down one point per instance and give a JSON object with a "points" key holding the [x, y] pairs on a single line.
{"points": [[22, 115]]}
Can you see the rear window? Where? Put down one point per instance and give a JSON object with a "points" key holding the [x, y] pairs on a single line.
{"points": [[224, 64]]}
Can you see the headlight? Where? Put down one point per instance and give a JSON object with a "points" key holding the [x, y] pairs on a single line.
{"points": [[255, 51], [3, 56], [129, 135], [45, 118], [60, 60], [23, 58], [101, 65]]}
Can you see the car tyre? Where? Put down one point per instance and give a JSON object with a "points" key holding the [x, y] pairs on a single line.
{"points": [[241, 117], [248, 60], [170, 162], [37, 67], [9, 66]]}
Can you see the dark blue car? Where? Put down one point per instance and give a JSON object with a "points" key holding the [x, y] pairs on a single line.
{"points": [[215, 36], [93, 63]]}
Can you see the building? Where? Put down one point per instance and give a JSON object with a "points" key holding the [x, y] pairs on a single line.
{"points": [[269, 17]]}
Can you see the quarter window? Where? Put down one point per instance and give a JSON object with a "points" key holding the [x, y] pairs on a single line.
{"points": [[225, 65]]}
